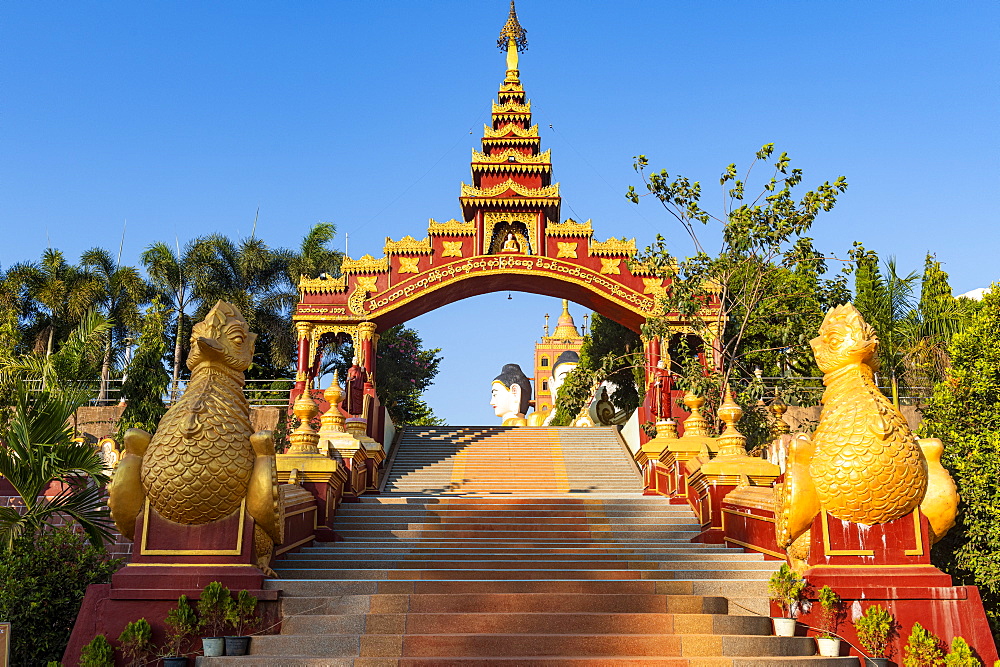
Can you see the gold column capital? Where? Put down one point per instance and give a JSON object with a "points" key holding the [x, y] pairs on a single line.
{"points": [[304, 329]]}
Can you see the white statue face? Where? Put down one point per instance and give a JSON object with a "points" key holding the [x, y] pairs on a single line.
{"points": [[506, 402], [559, 375]]}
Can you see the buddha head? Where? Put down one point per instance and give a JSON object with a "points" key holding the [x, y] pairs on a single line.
{"points": [[511, 392], [565, 363]]}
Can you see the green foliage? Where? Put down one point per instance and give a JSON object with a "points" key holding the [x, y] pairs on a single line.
{"points": [[922, 649], [965, 414], [42, 583], [213, 607], [147, 379], [767, 279], [40, 451], [961, 655], [241, 614], [785, 589], [831, 610], [875, 628], [181, 624], [98, 653], [137, 642], [610, 353]]}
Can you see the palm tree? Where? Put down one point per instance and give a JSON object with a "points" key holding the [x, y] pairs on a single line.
{"points": [[122, 291], [314, 256], [65, 365], [60, 292], [255, 278], [178, 276], [37, 450]]}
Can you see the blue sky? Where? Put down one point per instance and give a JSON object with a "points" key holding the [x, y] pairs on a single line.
{"points": [[183, 118]]}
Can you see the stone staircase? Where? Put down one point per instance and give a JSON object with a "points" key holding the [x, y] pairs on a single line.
{"points": [[523, 560]]}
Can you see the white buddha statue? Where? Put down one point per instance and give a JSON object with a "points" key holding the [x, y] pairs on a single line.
{"points": [[511, 395]]}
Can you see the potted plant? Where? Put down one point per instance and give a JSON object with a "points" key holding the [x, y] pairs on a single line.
{"points": [[181, 624], [98, 653], [137, 642], [241, 617], [922, 649], [828, 642], [213, 604], [875, 628], [785, 589]]}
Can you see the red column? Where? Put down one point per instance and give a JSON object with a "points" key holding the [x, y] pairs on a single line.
{"points": [[304, 330]]}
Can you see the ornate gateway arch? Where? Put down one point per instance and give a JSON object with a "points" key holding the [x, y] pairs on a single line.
{"points": [[510, 237]]}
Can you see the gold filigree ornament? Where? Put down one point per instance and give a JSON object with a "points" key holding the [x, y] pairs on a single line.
{"points": [[653, 286], [322, 285], [613, 248], [513, 186], [204, 460], [505, 156], [409, 265], [611, 265], [512, 107], [509, 130], [452, 249], [567, 250], [451, 228], [367, 264], [407, 246], [570, 228], [364, 286]]}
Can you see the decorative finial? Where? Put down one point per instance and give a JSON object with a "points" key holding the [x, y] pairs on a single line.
{"points": [[779, 426], [304, 437], [695, 425], [546, 325], [512, 31], [731, 442]]}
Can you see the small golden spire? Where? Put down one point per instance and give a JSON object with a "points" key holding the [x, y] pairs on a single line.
{"points": [[546, 325], [565, 326], [695, 425], [731, 442], [779, 426], [304, 437], [332, 420]]}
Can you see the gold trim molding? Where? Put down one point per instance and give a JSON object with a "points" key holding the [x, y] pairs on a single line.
{"points": [[613, 248], [510, 129], [367, 264], [407, 246], [322, 285], [504, 156], [511, 184], [451, 228], [512, 107], [570, 228]]}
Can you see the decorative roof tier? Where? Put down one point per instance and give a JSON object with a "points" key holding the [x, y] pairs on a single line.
{"points": [[565, 326]]}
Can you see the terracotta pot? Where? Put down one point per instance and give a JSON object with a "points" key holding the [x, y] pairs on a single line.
{"points": [[829, 647], [213, 646], [783, 627], [237, 645]]}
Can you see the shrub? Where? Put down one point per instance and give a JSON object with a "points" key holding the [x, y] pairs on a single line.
{"points": [[785, 589], [875, 628], [830, 611], [240, 616], [42, 584], [98, 653], [922, 649], [137, 641], [181, 624], [961, 655], [213, 606]]}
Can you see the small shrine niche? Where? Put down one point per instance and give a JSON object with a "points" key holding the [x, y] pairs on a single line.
{"points": [[510, 237]]}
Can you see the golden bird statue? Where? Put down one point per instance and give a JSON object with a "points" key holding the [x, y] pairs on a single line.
{"points": [[862, 464], [204, 459]]}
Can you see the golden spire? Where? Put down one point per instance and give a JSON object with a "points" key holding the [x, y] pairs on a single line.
{"points": [[513, 32], [731, 442], [513, 39], [565, 326]]}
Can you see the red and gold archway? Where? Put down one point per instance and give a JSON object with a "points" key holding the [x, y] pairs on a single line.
{"points": [[510, 237]]}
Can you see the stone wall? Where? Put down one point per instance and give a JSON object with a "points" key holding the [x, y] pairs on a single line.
{"points": [[806, 418]]}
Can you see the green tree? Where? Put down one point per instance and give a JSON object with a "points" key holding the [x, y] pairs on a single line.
{"points": [[121, 291], [43, 579], [965, 414], [314, 256], [146, 378], [60, 293], [766, 261], [610, 353], [178, 276], [254, 277], [38, 452]]}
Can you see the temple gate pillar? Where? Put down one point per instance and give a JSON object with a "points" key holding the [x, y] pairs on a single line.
{"points": [[367, 346], [304, 333]]}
